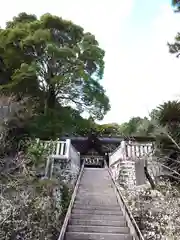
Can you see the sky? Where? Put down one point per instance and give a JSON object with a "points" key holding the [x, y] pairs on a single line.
{"points": [[140, 73]]}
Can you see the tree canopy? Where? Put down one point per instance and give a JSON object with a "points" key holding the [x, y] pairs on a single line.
{"points": [[55, 60]]}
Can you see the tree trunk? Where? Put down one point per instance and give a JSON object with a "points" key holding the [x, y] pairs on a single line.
{"points": [[51, 98], [149, 178]]}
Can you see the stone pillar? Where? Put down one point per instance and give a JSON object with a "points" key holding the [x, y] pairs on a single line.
{"points": [[107, 159], [139, 170]]}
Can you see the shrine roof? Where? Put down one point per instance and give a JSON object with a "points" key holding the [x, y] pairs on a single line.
{"points": [[111, 139]]}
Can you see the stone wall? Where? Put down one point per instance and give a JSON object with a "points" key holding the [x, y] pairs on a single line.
{"points": [[127, 176], [128, 161]]}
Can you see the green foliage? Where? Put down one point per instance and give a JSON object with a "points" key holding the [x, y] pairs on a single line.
{"points": [[59, 122], [21, 18], [169, 116], [47, 126], [111, 129], [59, 67], [54, 59], [136, 126], [36, 152]]}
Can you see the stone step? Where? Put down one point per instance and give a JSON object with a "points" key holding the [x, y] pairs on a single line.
{"points": [[96, 214], [98, 207], [103, 196], [93, 169], [98, 175], [95, 203], [96, 217], [120, 223], [104, 202], [103, 177], [98, 187], [96, 171], [96, 236], [82, 190], [95, 191], [106, 183], [94, 183], [95, 196], [97, 229], [96, 211]]}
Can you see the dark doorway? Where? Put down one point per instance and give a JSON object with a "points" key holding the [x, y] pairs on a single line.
{"points": [[92, 153]]}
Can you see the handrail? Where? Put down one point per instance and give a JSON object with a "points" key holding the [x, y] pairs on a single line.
{"points": [[75, 150], [135, 231], [68, 214], [115, 150]]}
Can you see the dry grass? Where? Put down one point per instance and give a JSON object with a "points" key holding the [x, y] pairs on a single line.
{"points": [[156, 211], [31, 207]]}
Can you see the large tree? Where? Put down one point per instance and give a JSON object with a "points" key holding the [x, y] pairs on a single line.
{"points": [[56, 60]]}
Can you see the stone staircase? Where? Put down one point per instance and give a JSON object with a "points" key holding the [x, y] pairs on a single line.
{"points": [[96, 214]]}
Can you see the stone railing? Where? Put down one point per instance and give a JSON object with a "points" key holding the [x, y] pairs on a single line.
{"points": [[62, 156], [74, 158], [57, 149], [127, 162]]}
